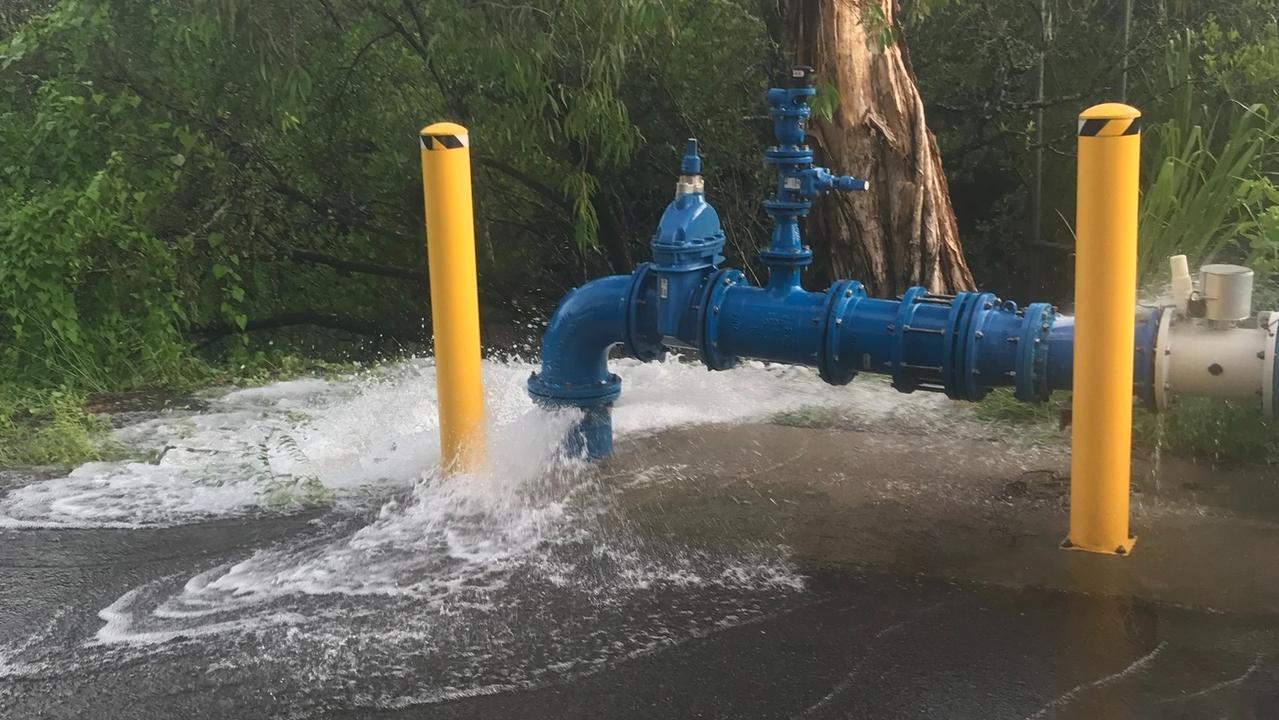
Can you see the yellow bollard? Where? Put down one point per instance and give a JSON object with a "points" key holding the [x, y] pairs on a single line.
{"points": [[455, 311], [1105, 312]]}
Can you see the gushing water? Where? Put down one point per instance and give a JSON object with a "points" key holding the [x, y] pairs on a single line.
{"points": [[285, 446], [412, 587]]}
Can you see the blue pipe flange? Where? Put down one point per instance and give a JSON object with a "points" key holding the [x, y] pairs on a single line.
{"points": [[841, 295], [583, 395], [953, 345], [642, 346], [903, 381], [713, 300], [983, 307], [1032, 353], [602, 392], [799, 257], [788, 156], [1144, 358]]}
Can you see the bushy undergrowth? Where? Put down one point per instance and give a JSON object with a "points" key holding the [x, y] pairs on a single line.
{"points": [[49, 427], [1222, 432], [54, 426]]}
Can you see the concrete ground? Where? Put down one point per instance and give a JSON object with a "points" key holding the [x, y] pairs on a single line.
{"points": [[934, 588]]}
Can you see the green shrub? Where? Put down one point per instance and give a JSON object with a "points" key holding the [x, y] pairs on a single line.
{"points": [[1219, 431], [1210, 187], [1224, 432], [49, 427]]}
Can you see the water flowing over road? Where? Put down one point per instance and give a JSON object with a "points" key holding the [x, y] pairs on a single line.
{"points": [[292, 551]]}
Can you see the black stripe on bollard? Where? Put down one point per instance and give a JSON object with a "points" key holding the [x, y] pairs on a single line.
{"points": [[1102, 127], [443, 142]]}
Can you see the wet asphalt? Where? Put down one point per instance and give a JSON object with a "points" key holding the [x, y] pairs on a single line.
{"points": [[851, 645], [870, 635]]}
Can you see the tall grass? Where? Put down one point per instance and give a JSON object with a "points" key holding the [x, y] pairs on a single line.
{"points": [[49, 427], [1207, 184]]}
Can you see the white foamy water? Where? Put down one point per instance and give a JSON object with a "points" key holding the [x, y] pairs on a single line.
{"points": [[285, 446], [410, 588]]}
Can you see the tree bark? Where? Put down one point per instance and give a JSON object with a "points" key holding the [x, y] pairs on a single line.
{"points": [[903, 231]]}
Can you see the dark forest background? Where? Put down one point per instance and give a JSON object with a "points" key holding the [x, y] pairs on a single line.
{"points": [[193, 185]]}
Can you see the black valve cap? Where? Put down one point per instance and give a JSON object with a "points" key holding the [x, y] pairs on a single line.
{"points": [[1197, 306], [801, 76]]}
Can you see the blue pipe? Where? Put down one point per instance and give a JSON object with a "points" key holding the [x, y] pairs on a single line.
{"points": [[1061, 358], [962, 345], [586, 325]]}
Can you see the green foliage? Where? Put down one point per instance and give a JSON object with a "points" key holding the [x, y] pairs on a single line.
{"points": [[883, 31], [978, 67], [174, 174], [100, 274], [1002, 406], [171, 172], [1238, 52], [1261, 239], [1223, 432], [1208, 188], [1204, 196], [48, 427], [826, 102], [1038, 422]]}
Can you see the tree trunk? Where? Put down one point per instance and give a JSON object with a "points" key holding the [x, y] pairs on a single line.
{"points": [[902, 232]]}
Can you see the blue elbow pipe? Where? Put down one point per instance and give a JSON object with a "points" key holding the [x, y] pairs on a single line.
{"points": [[587, 324]]}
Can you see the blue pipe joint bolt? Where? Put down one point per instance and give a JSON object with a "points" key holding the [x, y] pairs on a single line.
{"points": [[712, 304], [989, 358], [905, 374], [982, 346], [688, 243], [842, 300], [1031, 382], [642, 341]]}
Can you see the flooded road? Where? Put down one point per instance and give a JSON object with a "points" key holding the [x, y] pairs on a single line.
{"points": [[289, 551]]}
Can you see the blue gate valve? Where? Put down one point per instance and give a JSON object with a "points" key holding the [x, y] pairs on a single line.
{"points": [[686, 249]]}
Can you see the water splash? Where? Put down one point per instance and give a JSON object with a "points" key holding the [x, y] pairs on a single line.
{"points": [[410, 587], [293, 444]]}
